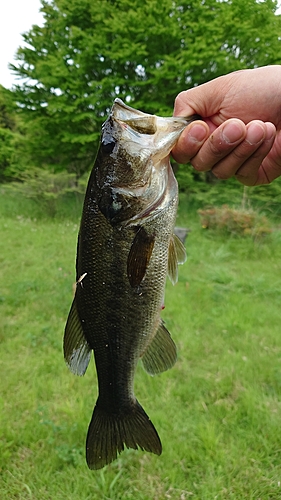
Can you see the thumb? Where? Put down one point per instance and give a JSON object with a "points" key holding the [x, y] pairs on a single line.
{"points": [[184, 106], [205, 100]]}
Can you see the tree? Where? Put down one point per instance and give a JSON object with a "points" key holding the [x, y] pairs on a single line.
{"points": [[8, 133], [145, 52]]}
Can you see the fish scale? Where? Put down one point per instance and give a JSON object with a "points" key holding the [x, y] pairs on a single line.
{"points": [[125, 250]]}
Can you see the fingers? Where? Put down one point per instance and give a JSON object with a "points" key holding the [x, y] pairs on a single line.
{"points": [[232, 149], [191, 140], [268, 170], [226, 139], [248, 155], [205, 152], [249, 172]]}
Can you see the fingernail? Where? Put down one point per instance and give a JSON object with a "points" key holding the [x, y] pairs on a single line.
{"points": [[255, 133], [198, 133], [232, 132], [270, 132]]}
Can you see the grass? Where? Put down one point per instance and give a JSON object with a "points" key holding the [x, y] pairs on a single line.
{"points": [[218, 411]]}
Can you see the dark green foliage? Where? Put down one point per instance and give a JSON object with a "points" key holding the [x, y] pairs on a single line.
{"points": [[6, 151], [7, 109], [8, 127], [145, 52], [47, 189]]}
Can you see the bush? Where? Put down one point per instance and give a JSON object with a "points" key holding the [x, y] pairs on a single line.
{"points": [[47, 188], [233, 221]]}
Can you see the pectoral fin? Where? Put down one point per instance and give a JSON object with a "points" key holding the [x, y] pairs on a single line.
{"points": [[161, 353], [77, 351], [139, 256], [177, 255]]}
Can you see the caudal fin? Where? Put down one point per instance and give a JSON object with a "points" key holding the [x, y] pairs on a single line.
{"points": [[109, 433]]}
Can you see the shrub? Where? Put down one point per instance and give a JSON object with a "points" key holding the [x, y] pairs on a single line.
{"points": [[47, 188], [234, 221]]}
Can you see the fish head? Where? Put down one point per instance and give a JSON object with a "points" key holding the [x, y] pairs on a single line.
{"points": [[133, 159]]}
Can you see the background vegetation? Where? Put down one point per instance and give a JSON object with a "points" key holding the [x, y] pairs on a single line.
{"points": [[146, 52], [217, 411]]}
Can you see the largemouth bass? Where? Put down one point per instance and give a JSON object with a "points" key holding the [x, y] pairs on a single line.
{"points": [[126, 248]]}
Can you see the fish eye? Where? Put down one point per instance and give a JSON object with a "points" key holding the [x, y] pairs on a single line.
{"points": [[108, 146]]}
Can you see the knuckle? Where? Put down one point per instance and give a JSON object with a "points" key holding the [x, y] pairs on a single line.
{"points": [[179, 101], [218, 149], [222, 174], [240, 155], [245, 179], [200, 165]]}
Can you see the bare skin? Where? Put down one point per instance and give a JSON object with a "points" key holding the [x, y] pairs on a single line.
{"points": [[241, 131]]}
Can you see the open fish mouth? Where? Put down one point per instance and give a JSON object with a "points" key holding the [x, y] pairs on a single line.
{"points": [[164, 131]]}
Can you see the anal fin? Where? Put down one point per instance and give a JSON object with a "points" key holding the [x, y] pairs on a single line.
{"points": [[77, 351], [161, 353], [177, 255]]}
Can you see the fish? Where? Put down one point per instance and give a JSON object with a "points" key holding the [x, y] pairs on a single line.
{"points": [[125, 250]]}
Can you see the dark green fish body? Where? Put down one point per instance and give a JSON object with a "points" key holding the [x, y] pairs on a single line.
{"points": [[126, 248]]}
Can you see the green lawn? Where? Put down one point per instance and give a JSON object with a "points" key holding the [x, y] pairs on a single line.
{"points": [[218, 411]]}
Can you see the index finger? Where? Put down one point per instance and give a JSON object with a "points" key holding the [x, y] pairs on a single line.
{"points": [[190, 141]]}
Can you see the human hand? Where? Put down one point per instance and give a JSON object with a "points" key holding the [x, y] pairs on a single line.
{"points": [[241, 131]]}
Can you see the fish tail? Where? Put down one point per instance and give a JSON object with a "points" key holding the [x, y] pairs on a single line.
{"points": [[108, 433]]}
